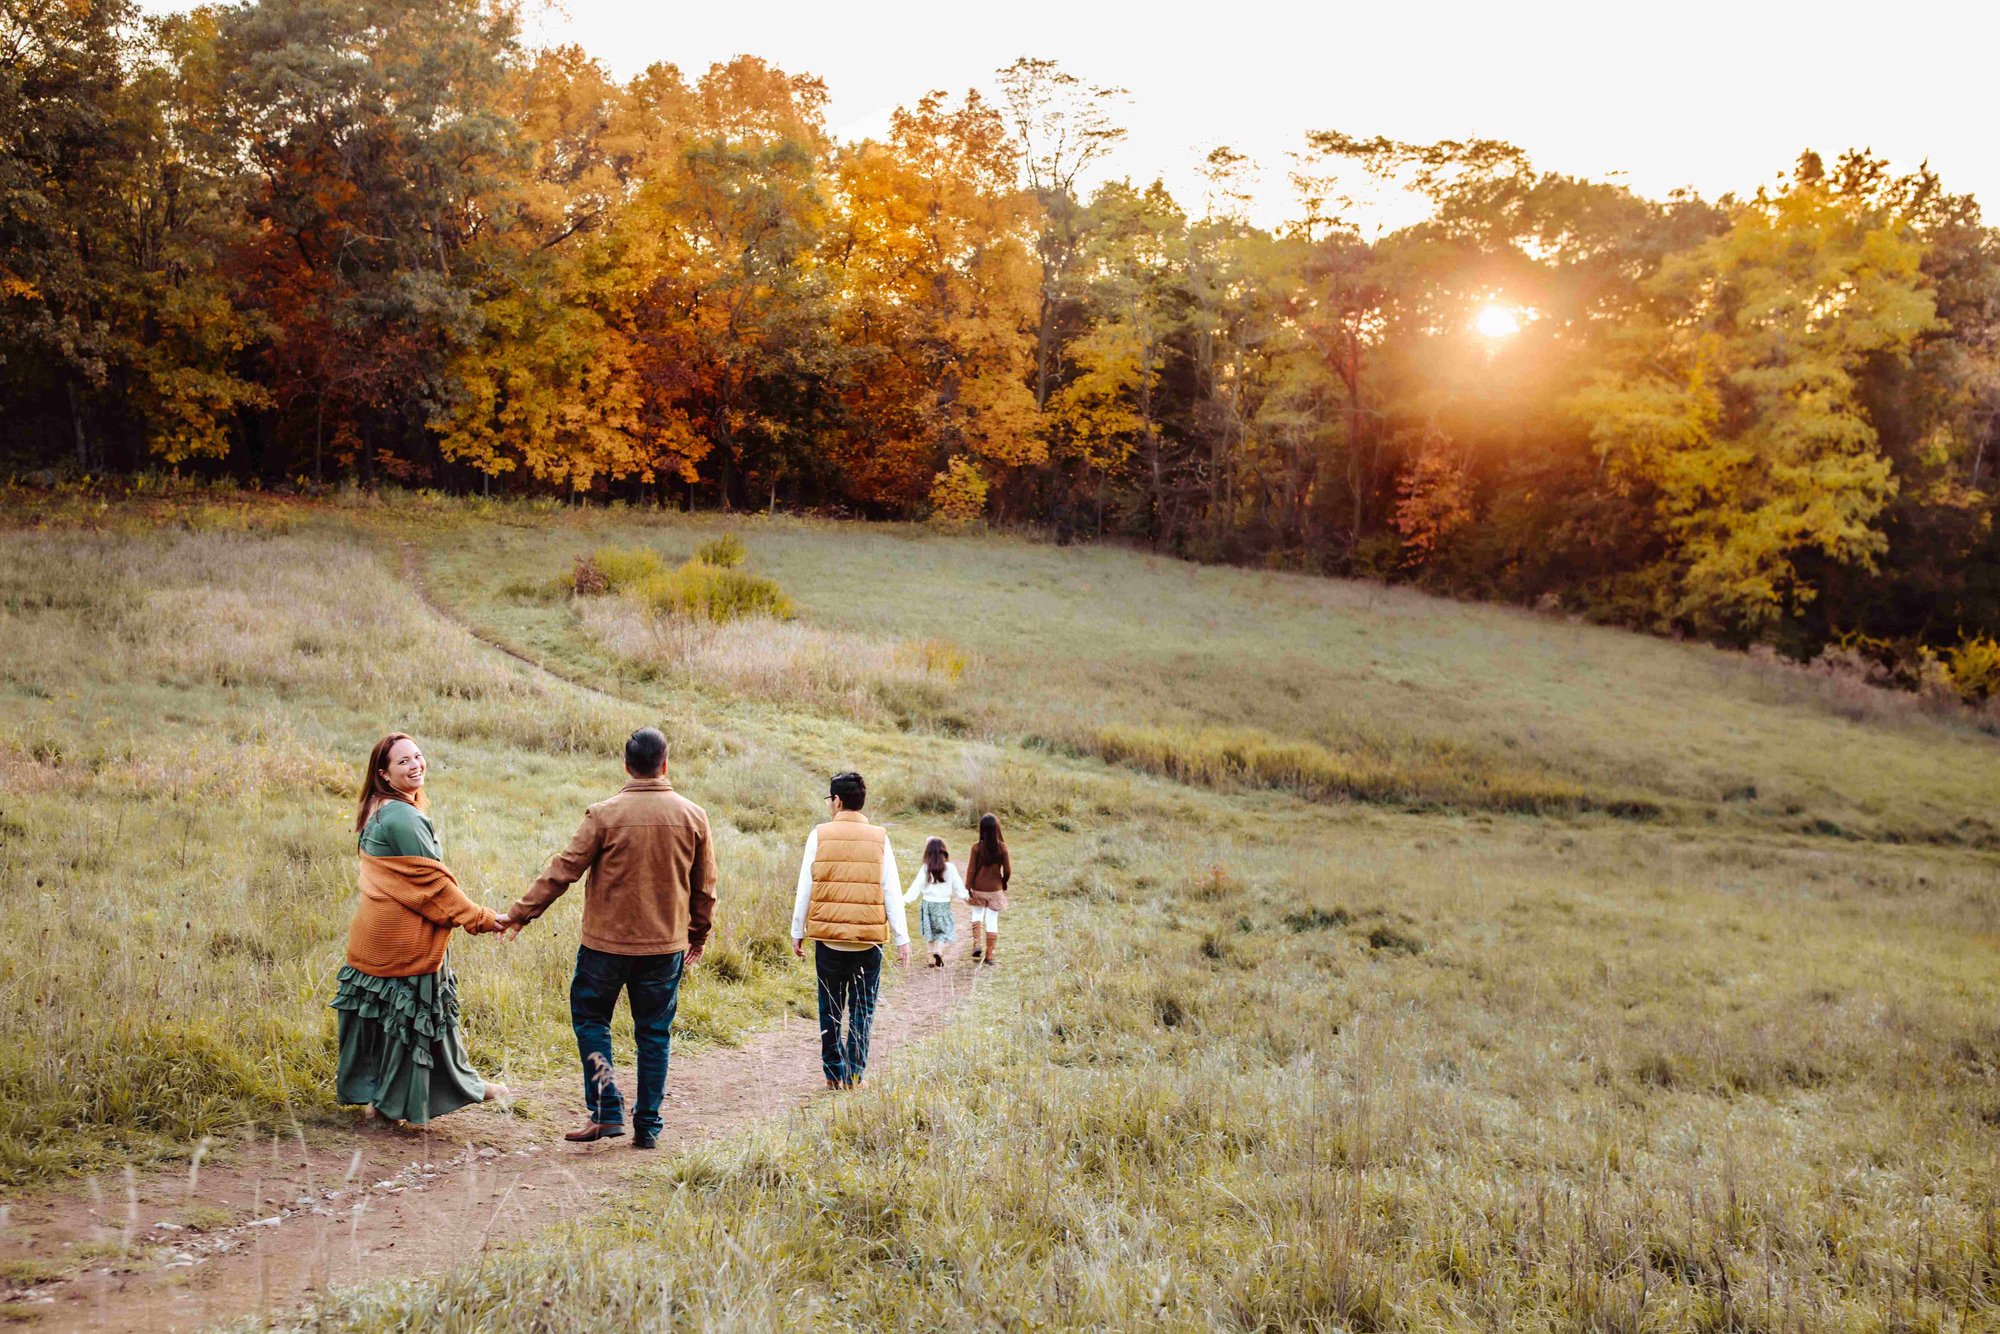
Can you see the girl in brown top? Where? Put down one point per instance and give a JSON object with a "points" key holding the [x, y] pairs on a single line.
{"points": [[986, 874]]}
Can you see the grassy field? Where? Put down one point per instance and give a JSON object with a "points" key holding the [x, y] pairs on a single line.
{"points": [[1379, 962]]}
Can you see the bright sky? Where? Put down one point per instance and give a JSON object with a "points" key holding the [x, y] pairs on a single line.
{"points": [[1717, 94]]}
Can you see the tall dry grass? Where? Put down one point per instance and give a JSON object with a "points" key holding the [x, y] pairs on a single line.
{"points": [[1605, 1090], [788, 663]]}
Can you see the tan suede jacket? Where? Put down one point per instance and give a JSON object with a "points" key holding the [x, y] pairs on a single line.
{"points": [[652, 873]]}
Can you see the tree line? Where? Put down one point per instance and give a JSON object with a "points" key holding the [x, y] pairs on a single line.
{"points": [[299, 241]]}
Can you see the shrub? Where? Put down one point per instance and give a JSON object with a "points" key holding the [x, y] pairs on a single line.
{"points": [[701, 592], [587, 580], [938, 657], [958, 494], [628, 567], [725, 552], [1974, 668]]}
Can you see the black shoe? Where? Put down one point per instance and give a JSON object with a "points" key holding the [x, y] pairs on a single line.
{"points": [[645, 1139]]}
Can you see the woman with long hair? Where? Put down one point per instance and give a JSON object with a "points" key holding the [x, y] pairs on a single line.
{"points": [[401, 1053], [987, 872], [937, 881]]}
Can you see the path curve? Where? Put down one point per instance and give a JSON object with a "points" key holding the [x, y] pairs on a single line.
{"points": [[412, 563]]}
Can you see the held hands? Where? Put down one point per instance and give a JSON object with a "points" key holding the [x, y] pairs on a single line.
{"points": [[507, 926]]}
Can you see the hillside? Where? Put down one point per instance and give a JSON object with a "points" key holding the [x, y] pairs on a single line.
{"points": [[1380, 961]]}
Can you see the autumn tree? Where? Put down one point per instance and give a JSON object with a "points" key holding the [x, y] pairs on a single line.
{"points": [[63, 136], [1063, 125], [939, 303], [732, 314], [1734, 403], [549, 381], [1111, 416], [377, 147]]}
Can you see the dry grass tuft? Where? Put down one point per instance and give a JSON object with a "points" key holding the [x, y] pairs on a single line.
{"points": [[1436, 776]]}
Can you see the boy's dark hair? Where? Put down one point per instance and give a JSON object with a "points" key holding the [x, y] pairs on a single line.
{"points": [[646, 752], [851, 788]]}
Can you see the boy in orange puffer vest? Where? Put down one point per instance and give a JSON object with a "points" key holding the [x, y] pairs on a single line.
{"points": [[849, 905]]}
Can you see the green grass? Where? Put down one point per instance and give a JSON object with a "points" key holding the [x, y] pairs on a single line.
{"points": [[1340, 991], [1062, 645]]}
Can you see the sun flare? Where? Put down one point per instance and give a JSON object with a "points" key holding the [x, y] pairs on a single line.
{"points": [[1497, 322]]}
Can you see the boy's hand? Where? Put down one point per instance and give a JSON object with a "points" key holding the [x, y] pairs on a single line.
{"points": [[799, 947], [903, 956]]}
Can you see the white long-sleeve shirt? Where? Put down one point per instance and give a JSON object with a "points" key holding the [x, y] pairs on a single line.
{"points": [[937, 891], [892, 896]]}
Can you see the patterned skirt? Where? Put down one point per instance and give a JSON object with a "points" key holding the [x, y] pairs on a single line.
{"points": [[935, 921]]}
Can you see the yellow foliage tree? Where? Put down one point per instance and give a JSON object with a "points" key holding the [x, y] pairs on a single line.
{"points": [[958, 494], [1733, 406]]}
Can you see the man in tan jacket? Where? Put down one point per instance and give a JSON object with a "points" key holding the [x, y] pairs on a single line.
{"points": [[646, 914]]}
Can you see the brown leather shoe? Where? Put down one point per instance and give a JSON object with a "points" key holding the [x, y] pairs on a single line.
{"points": [[592, 1131]]}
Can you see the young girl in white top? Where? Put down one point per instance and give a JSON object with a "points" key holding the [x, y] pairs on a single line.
{"points": [[938, 881]]}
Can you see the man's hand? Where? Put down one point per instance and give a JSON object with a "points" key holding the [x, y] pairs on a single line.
{"points": [[903, 955], [799, 947], [693, 957]]}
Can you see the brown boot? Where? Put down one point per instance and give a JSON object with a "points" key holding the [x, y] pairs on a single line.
{"points": [[992, 947], [978, 940], [590, 1132]]}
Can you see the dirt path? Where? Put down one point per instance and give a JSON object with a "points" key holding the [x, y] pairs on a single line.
{"points": [[346, 1207]]}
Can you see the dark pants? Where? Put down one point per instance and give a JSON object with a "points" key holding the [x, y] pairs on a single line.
{"points": [[654, 983], [847, 983]]}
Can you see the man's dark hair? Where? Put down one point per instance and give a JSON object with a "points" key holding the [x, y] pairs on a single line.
{"points": [[851, 788], [646, 752]]}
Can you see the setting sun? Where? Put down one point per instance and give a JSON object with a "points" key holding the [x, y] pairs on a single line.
{"points": [[1497, 322]]}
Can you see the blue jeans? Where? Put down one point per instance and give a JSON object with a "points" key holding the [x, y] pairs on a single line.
{"points": [[653, 982], [847, 983]]}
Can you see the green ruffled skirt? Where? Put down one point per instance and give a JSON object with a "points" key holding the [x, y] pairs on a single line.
{"points": [[400, 1048]]}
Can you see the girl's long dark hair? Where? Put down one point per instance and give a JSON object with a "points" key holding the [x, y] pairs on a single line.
{"points": [[375, 789], [934, 860], [990, 841]]}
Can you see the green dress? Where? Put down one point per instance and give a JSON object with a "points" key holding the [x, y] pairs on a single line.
{"points": [[400, 1048]]}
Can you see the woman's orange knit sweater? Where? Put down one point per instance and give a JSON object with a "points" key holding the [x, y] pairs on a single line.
{"points": [[408, 907]]}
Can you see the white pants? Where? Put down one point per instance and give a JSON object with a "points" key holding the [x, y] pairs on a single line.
{"points": [[986, 917]]}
